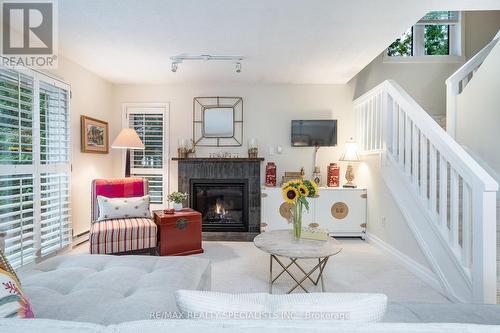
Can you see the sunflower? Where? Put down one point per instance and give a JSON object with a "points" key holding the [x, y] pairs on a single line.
{"points": [[304, 191], [290, 194]]}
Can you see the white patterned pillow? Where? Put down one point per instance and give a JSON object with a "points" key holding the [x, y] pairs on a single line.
{"points": [[120, 208], [358, 307]]}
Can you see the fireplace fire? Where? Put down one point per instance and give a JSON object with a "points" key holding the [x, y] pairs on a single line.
{"points": [[223, 204]]}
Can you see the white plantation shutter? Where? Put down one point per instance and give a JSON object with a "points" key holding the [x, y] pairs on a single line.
{"points": [[150, 123], [16, 118], [34, 165], [55, 225], [17, 218]]}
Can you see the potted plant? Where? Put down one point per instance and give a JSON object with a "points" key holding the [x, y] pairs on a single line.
{"points": [[296, 192], [177, 198]]}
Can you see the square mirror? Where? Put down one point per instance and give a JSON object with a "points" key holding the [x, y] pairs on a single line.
{"points": [[218, 122]]}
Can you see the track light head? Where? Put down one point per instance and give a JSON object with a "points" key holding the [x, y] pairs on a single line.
{"points": [[238, 67], [174, 67]]}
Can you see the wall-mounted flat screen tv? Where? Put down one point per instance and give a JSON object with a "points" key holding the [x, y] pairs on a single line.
{"points": [[314, 133]]}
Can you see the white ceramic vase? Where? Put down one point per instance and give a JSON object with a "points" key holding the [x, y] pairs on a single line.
{"points": [[177, 206]]}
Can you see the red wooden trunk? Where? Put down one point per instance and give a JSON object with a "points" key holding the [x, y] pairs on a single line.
{"points": [[179, 234]]}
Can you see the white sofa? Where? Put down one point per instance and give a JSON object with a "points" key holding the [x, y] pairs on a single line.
{"points": [[106, 289], [256, 326]]}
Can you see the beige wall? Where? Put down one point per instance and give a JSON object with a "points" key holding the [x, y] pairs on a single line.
{"points": [[91, 96], [425, 82], [268, 110], [478, 113]]}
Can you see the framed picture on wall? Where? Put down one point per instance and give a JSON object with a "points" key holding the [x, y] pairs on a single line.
{"points": [[95, 136]]}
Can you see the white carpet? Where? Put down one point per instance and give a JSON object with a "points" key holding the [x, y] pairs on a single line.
{"points": [[240, 267], [360, 267]]}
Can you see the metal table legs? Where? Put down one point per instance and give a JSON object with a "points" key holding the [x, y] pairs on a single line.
{"points": [[298, 281]]}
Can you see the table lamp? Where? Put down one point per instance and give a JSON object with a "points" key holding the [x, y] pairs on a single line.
{"points": [[127, 139], [350, 155]]}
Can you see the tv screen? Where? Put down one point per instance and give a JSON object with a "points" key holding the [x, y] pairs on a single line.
{"points": [[314, 133]]}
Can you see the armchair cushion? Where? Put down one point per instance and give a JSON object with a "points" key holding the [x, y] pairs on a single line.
{"points": [[122, 235], [119, 208]]}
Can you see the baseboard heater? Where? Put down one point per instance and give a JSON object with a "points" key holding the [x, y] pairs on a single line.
{"points": [[81, 238]]}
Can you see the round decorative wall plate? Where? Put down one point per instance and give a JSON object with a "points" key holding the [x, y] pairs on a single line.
{"points": [[339, 210], [286, 211]]}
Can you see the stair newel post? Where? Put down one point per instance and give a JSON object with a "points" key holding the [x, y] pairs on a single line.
{"points": [[452, 91], [484, 265]]}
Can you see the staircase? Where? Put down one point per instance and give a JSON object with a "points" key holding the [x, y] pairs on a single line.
{"points": [[455, 85], [447, 198]]}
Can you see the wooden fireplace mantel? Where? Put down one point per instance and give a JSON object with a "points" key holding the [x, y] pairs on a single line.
{"points": [[216, 159]]}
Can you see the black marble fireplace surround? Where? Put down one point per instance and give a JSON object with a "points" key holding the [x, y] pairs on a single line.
{"points": [[211, 180]]}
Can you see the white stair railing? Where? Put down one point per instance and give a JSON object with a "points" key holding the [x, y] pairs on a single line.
{"points": [[459, 195], [457, 82]]}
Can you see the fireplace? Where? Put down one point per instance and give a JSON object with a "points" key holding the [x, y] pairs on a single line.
{"points": [[227, 193], [223, 204]]}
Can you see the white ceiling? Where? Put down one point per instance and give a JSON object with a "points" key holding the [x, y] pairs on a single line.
{"points": [[283, 41]]}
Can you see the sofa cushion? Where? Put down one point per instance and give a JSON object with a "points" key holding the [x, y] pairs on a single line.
{"points": [[122, 208], [111, 289], [323, 306], [120, 235]]}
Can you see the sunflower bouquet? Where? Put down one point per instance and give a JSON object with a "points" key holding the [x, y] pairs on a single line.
{"points": [[296, 192]]}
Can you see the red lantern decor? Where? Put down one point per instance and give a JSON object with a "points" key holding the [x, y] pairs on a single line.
{"points": [[271, 174], [333, 178]]}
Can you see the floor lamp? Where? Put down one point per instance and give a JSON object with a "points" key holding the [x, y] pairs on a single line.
{"points": [[127, 139]]}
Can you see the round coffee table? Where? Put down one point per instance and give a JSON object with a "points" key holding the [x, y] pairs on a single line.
{"points": [[281, 243]]}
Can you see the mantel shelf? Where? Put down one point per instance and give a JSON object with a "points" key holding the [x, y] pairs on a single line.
{"points": [[215, 159]]}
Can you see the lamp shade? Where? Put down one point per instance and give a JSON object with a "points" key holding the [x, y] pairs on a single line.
{"points": [[128, 139], [351, 152]]}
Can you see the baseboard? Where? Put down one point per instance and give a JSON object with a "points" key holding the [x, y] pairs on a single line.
{"points": [[81, 238], [422, 272]]}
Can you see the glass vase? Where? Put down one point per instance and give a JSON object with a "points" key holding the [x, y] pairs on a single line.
{"points": [[297, 220]]}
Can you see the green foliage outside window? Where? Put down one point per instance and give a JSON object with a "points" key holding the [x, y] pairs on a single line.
{"points": [[402, 46], [436, 40]]}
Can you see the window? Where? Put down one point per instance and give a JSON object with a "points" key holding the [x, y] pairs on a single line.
{"points": [[34, 165], [150, 123], [436, 34]]}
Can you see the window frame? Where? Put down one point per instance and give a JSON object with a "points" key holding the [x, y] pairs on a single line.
{"points": [[455, 45], [151, 108], [37, 169]]}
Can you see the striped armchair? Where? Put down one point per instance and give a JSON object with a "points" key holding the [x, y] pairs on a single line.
{"points": [[121, 236]]}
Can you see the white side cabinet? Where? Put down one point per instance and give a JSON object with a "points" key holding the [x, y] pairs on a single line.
{"points": [[341, 211]]}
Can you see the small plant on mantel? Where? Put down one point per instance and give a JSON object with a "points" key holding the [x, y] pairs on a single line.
{"points": [[177, 198]]}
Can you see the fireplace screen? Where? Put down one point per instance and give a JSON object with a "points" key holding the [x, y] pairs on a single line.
{"points": [[223, 205]]}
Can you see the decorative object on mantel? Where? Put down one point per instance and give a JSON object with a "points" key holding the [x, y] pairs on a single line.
{"points": [[296, 193], [224, 154], [218, 121], [94, 135], [253, 149], [316, 176], [127, 139], [270, 174], [177, 198], [185, 149], [333, 175], [350, 155], [293, 175]]}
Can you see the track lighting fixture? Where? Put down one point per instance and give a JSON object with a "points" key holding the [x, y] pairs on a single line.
{"points": [[206, 57]]}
